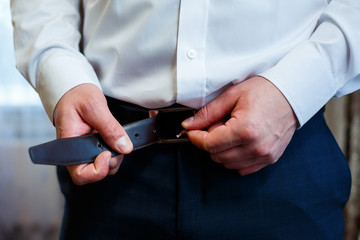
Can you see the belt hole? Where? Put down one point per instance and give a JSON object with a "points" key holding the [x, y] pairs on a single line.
{"points": [[99, 145], [137, 135]]}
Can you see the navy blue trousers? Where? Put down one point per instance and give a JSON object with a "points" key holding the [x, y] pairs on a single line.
{"points": [[176, 191]]}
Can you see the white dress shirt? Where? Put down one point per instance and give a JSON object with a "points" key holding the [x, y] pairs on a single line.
{"points": [[157, 52]]}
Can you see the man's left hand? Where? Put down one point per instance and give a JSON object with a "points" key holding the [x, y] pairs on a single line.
{"points": [[246, 128]]}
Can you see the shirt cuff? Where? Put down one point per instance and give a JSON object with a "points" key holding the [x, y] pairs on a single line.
{"points": [[60, 72], [305, 79]]}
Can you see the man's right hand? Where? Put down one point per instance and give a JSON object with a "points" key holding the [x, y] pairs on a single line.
{"points": [[83, 110]]}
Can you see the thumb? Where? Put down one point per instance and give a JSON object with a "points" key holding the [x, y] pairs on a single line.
{"points": [[101, 119], [209, 114]]}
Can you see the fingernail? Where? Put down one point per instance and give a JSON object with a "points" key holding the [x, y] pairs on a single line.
{"points": [[123, 145], [187, 122]]}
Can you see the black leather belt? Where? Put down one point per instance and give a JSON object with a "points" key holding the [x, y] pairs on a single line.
{"points": [[142, 131]]}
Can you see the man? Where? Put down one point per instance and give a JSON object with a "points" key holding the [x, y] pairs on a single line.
{"points": [[256, 72]]}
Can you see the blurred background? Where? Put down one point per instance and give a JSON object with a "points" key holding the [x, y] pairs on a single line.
{"points": [[30, 200]]}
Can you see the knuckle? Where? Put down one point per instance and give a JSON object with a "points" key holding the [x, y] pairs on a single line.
{"points": [[214, 158], [249, 132], [272, 159], [203, 112], [266, 154], [228, 166], [77, 180], [98, 175], [261, 151], [203, 115], [243, 172], [99, 172], [78, 176]]}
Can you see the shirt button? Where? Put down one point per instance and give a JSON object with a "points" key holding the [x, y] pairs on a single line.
{"points": [[191, 54]]}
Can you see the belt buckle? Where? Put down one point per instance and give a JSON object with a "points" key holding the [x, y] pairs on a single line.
{"points": [[173, 114]]}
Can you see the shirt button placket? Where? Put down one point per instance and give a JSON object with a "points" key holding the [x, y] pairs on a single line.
{"points": [[191, 76]]}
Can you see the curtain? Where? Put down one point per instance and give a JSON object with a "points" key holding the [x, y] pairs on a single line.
{"points": [[343, 117]]}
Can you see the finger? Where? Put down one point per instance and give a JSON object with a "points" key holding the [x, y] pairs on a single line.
{"points": [[251, 169], [115, 163], [214, 111], [220, 139], [93, 172], [83, 109], [99, 116], [215, 125], [236, 154], [242, 163]]}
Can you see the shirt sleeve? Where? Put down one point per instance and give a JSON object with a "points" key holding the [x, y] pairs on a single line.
{"points": [[46, 41], [325, 66]]}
